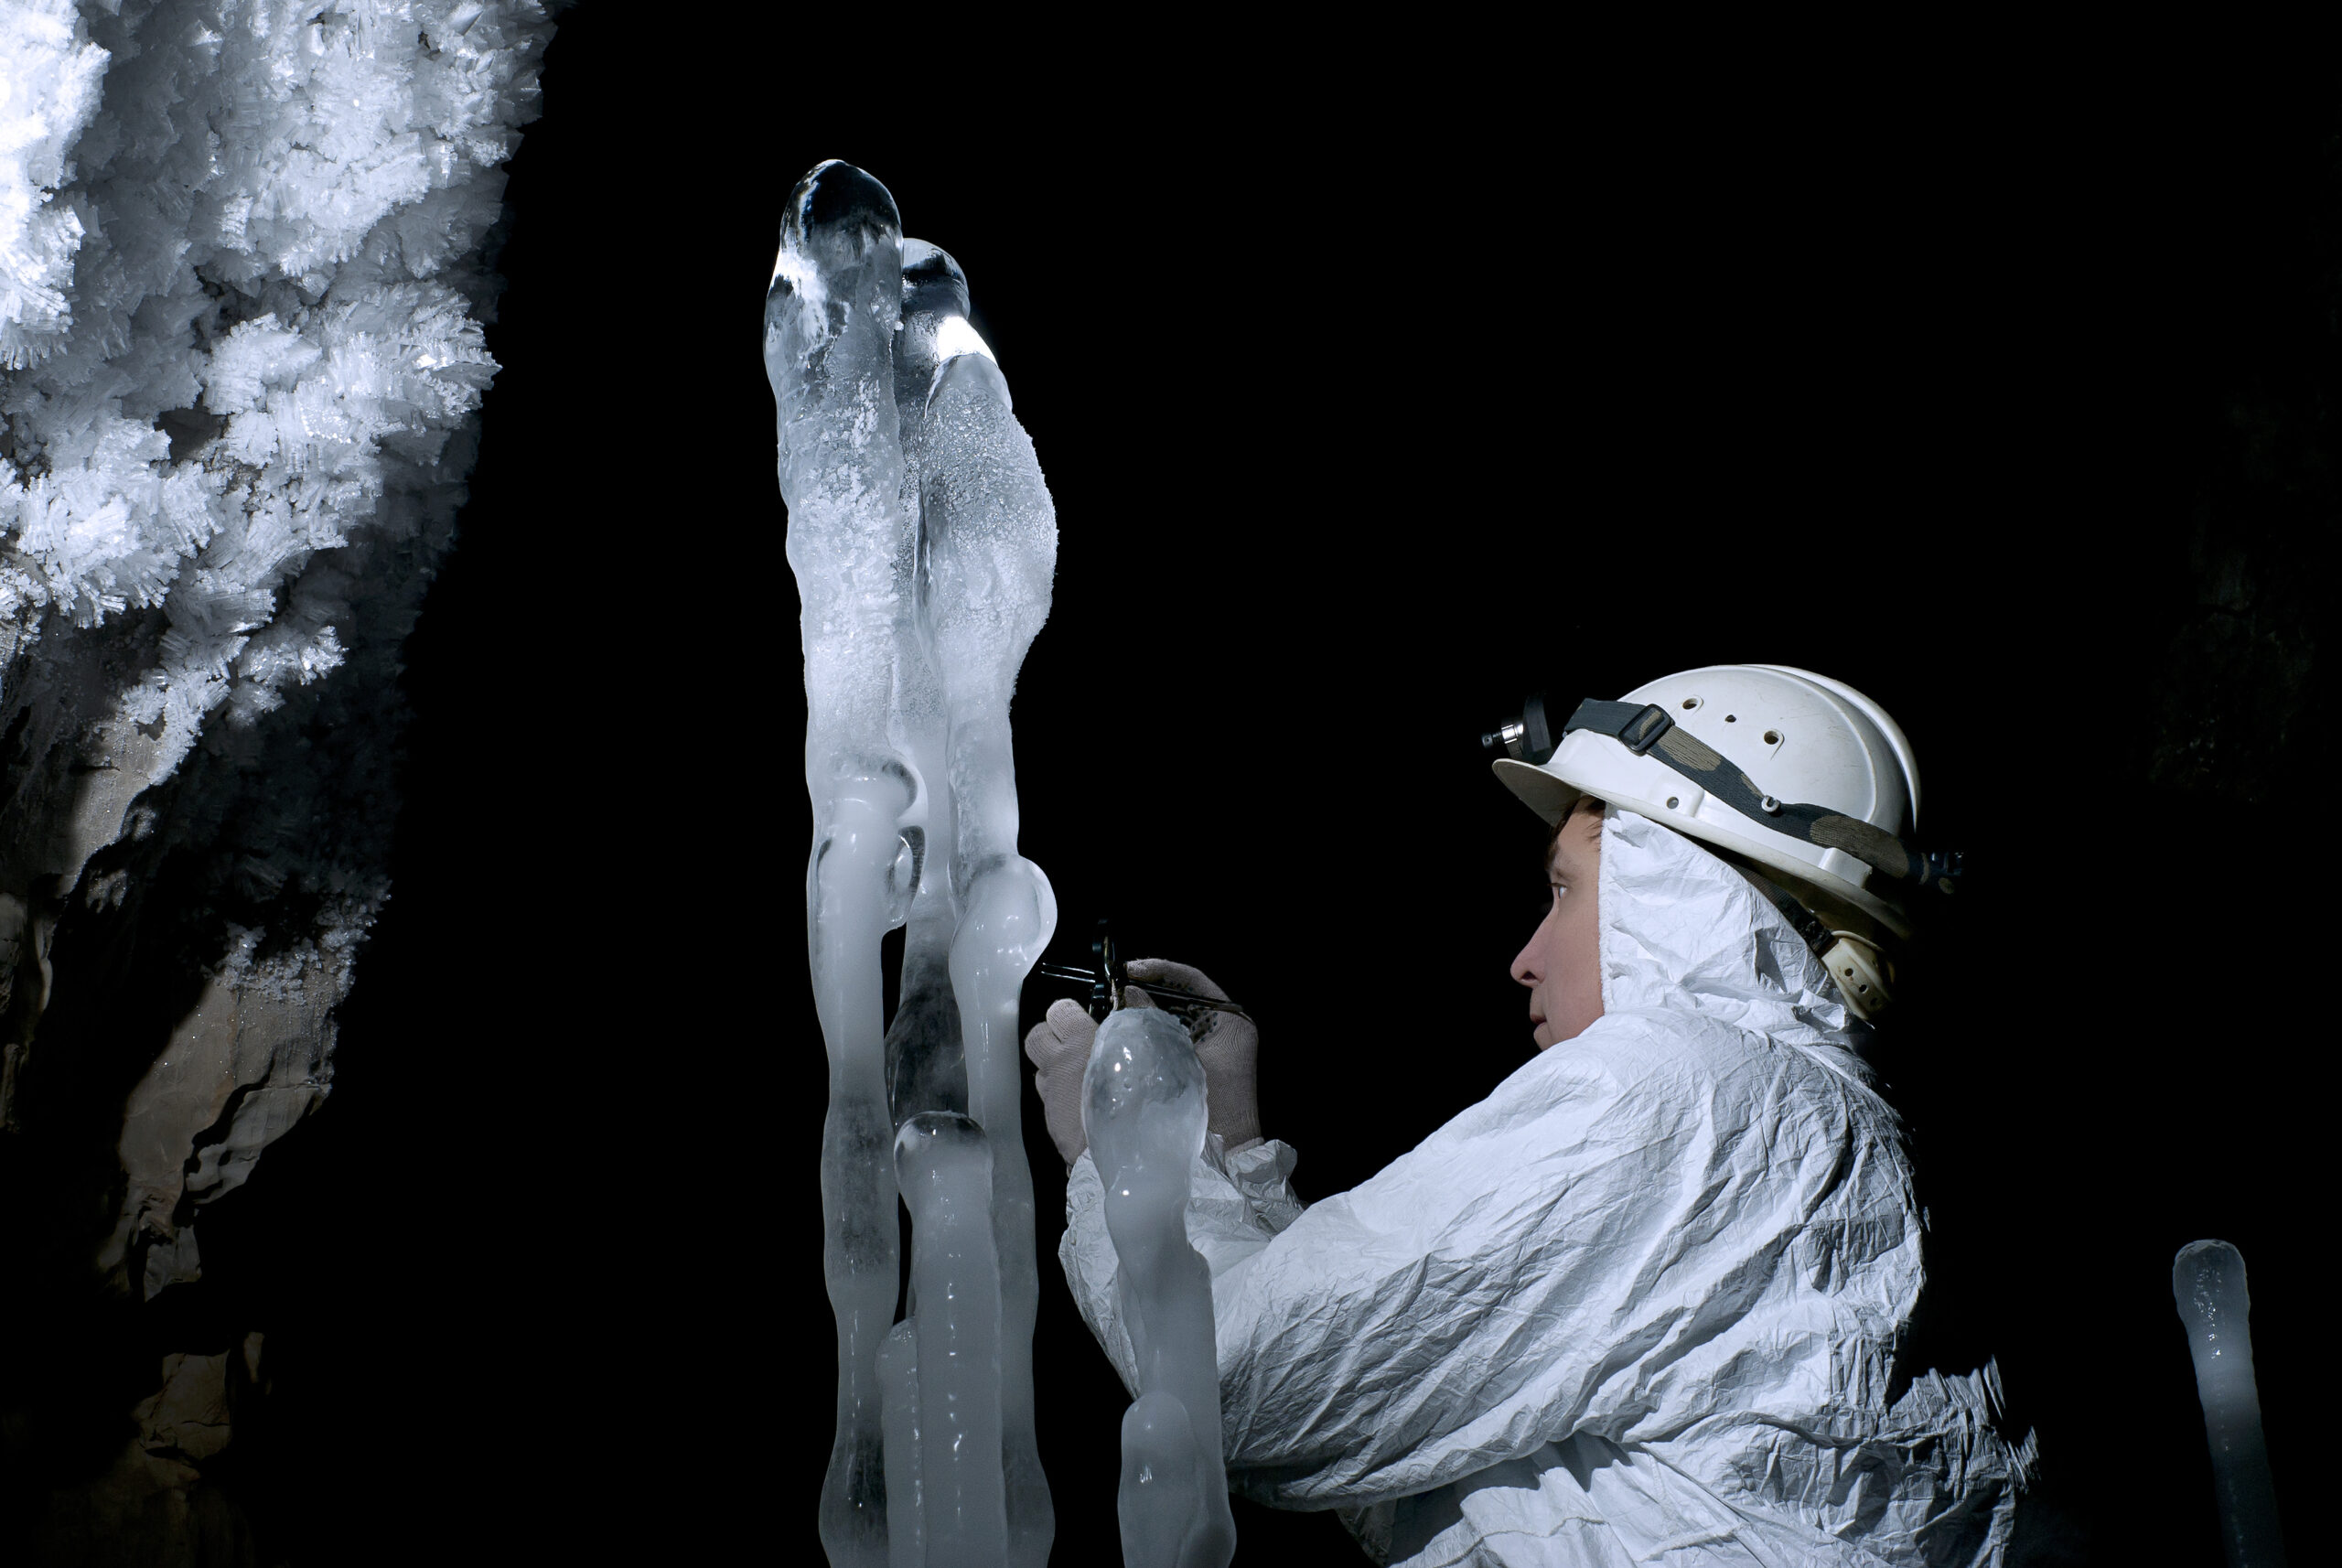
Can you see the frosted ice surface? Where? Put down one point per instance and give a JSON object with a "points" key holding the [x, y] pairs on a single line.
{"points": [[1143, 1109], [990, 541], [944, 1164], [2207, 1283], [830, 316]]}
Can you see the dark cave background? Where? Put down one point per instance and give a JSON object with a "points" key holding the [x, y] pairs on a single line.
{"points": [[1373, 394]]}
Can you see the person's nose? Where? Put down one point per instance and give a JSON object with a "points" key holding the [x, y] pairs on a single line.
{"points": [[1524, 962]]}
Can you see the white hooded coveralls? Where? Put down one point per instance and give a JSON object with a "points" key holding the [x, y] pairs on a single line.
{"points": [[1641, 1304]]}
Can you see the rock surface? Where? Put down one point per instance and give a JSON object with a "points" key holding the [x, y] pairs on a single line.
{"points": [[245, 253]]}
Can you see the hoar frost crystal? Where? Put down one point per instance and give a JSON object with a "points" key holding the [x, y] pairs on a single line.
{"points": [[245, 251]]}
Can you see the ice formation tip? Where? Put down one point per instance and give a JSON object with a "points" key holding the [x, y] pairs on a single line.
{"points": [[838, 197], [932, 280]]}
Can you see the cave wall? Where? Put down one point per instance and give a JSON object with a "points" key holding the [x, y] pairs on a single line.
{"points": [[246, 253]]}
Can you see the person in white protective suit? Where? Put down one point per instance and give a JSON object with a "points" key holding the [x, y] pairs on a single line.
{"points": [[1644, 1303]]}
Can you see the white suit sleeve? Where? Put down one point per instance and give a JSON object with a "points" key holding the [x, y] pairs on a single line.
{"points": [[1236, 1203], [1582, 1250]]}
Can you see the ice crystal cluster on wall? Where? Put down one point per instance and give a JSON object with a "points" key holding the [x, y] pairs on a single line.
{"points": [[243, 267]]}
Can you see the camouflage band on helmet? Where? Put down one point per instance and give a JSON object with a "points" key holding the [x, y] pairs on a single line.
{"points": [[1647, 730]]}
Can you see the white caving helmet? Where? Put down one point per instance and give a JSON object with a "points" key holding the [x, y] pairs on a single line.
{"points": [[1797, 778]]}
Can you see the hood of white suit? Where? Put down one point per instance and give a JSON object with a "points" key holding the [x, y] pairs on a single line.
{"points": [[1682, 932]]}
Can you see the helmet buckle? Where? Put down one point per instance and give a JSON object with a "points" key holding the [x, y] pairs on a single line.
{"points": [[1642, 732]]}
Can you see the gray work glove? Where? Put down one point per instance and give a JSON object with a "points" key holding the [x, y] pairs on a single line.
{"points": [[1229, 1046]]}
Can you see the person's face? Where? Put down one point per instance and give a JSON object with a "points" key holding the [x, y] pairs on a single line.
{"points": [[1562, 965]]}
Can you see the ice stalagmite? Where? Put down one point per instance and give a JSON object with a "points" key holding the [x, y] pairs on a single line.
{"points": [[987, 548], [924, 542], [1143, 1107], [2207, 1283], [830, 316]]}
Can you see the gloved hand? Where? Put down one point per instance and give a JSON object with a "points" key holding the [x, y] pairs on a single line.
{"points": [[1229, 1046], [1058, 1048]]}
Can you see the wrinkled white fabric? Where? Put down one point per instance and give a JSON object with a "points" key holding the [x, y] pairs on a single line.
{"points": [[1639, 1305]]}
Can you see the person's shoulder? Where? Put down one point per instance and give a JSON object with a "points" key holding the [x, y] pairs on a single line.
{"points": [[1622, 1070], [1658, 1081], [1686, 1056], [1633, 1049]]}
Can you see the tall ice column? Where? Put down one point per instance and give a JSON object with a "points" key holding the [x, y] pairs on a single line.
{"points": [[830, 319]]}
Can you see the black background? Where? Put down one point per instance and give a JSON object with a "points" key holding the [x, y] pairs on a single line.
{"points": [[1372, 392]]}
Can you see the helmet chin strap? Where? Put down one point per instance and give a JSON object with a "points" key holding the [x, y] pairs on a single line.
{"points": [[1855, 964], [1861, 972]]}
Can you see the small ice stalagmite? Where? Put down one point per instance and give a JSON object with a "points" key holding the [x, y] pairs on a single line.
{"points": [[1143, 1107], [2207, 1283], [830, 318], [987, 551], [944, 1164]]}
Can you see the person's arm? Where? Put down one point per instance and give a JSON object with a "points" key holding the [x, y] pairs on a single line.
{"points": [[1240, 1194], [1237, 1204], [1576, 1251]]}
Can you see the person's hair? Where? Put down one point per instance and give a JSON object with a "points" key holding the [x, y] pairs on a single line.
{"points": [[1554, 835]]}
